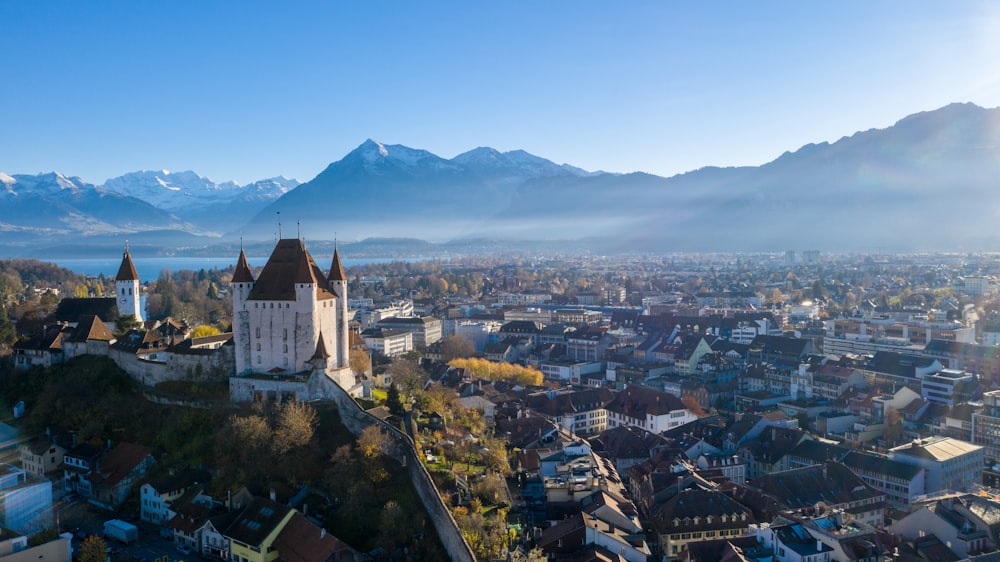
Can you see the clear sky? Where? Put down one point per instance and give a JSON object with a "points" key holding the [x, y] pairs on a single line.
{"points": [[253, 89]]}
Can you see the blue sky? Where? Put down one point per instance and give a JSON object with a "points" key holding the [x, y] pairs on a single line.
{"points": [[247, 90]]}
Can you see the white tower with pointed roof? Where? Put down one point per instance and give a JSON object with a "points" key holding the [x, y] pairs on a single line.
{"points": [[127, 289]]}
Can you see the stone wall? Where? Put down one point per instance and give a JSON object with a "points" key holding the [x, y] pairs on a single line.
{"points": [[356, 420]]}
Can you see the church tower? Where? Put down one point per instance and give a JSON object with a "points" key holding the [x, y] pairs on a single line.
{"points": [[127, 288]]}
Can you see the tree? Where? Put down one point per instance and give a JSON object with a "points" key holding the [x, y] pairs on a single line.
{"points": [[407, 374], [693, 406], [205, 330], [360, 361], [456, 347], [295, 425], [93, 549], [372, 445], [393, 402]]}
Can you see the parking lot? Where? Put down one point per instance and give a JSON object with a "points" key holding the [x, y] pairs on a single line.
{"points": [[83, 519]]}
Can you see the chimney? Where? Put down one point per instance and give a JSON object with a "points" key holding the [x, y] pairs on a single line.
{"points": [[322, 533], [274, 495], [819, 545]]}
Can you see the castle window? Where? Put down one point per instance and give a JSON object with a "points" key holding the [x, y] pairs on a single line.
{"points": [[286, 348], [285, 336], [258, 359], [130, 290], [255, 304], [258, 331], [258, 347], [272, 305]]}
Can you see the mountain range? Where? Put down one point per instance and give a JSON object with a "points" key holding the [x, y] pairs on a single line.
{"points": [[927, 183]]}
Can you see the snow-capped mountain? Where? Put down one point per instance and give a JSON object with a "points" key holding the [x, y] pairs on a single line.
{"points": [[21, 185], [180, 191]]}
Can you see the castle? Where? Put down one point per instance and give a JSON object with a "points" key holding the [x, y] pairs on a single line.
{"points": [[290, 327], [290, 333]]}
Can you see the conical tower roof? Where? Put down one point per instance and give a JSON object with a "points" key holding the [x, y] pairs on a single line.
{"points": [[336, 268], [126, 272], [242, 273], [321, 352]]}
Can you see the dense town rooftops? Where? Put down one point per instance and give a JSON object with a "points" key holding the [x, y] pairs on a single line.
{"points": [[938, 449]]}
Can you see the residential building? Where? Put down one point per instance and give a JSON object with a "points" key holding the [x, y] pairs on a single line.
{"points": [[648, 409], [986, 426], [252, 534], [901, 483], [41, 457], [117, 472], [695, 515], [388, 342]]}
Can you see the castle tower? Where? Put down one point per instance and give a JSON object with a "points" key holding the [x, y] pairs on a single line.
{"points": [[127, 288], [338, 284], [286, 315], [240, 287]]}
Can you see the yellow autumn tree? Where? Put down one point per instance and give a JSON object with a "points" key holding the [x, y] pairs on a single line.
{"points": [[483, 368]]}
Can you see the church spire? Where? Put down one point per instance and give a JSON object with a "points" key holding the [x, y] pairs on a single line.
{"points": [[126, 272]]}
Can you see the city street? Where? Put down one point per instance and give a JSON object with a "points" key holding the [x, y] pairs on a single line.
{"points": [[83, 519]]}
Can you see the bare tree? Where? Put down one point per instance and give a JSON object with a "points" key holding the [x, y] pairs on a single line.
{"points": [[295, 425], [456, 347]]}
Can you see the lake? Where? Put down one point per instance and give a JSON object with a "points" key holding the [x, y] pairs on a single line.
{"points": [[149, 268]]}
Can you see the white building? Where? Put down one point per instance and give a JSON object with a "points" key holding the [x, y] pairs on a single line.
{"points": [[521, 299], [950, 464], [290, 326], [648, 409]]}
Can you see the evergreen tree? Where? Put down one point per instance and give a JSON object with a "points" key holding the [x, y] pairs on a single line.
{"points": [[393, 401]]}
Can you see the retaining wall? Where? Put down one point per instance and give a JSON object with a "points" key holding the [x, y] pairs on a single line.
{"points": [[356, 420]]}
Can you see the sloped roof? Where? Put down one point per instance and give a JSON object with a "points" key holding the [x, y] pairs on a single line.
{"points": [[877, 464], [121, 461], [337, 272], [242, 273], [256, 521], [90, 328], [72, 309], [831, 483], [302, 540], [639, 401], [126, 272], [289, 265]]}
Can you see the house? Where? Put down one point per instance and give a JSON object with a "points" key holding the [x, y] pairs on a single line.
{"points": [[696, 515], [157, 496], [769, 451], [579, 412], [113, 477], [792, 542], [831, 484], [301, 540], [575, 534], [963, 535], [41, 456], [78, 462], [649, 409], [253, 532]]}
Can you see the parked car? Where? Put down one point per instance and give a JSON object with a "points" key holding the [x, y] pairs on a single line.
{"points": [[184, 549]]}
